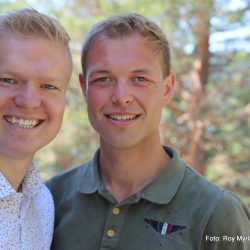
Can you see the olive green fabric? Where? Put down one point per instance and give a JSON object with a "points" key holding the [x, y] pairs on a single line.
{"points": [[180, 210]]}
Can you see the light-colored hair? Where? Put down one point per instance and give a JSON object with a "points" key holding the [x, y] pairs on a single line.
{"points": [[125, 25], [29, 22]]}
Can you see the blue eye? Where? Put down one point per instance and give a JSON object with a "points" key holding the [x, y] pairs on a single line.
{"points": [[8, 81], [103, 79], [48, 86], [141, 79]]}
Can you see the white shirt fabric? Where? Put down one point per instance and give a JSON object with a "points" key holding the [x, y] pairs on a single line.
{"points": [[27, 218]]}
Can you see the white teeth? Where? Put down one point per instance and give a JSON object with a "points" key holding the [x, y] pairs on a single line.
{"points": [[122, 117], [22, 123]]}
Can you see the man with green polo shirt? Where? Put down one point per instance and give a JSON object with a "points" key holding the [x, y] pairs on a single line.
{"points": [[135, 193]]}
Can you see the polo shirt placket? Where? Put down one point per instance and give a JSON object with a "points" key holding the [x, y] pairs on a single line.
{"points": [[113, 227]]}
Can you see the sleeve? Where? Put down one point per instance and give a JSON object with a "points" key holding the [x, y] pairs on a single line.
{"points": [[229, 226]]}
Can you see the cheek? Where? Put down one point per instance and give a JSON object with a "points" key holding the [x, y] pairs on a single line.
{"points": [[6, 95], [56, 107], [150, 99], [153, 105], [96, 99]]}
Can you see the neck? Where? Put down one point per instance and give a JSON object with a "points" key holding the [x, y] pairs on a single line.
{"points": [[127, 171], [14, 170]]}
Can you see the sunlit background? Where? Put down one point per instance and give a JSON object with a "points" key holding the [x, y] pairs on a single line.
{"points": [[208, 120]]}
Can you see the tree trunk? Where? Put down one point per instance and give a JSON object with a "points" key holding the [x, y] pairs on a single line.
{"points": [[199, 77]]}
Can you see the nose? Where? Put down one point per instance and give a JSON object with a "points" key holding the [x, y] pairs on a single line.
{"points": [[28, 96], [122, 93]]}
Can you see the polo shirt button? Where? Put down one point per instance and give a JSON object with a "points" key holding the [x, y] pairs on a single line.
{"points": [[115, 210], [111, 233]]}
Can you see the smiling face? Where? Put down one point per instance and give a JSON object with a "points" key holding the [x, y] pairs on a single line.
{"points": [[34, 73], [125, 89]]}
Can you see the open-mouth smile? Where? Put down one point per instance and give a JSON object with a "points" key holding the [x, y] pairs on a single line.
{"points": [[122, 117], [22, 123]]}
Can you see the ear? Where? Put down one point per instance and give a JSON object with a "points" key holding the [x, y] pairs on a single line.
{"points": [[83, 84], [169, 87]]}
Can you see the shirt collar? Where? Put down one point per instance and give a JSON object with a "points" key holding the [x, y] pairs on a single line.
{"points": [[164, 187], [160, 191], [90, 180], [6, 189], [31, 183]]}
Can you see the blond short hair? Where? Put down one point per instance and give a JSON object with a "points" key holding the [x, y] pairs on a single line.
{"points": [[124, 25], [29, 22]]}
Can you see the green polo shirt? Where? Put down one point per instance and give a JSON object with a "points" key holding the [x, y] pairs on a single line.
{"points": [[179, 210]]}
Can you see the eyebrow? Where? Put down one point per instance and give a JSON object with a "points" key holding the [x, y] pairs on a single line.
{"points": [[142, 70], [99, 71], [11, 73], [103, 71], [52, 79]]}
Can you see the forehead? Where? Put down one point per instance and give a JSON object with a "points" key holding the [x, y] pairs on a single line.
{"points": [[126, 51], [34, 55], [131, 39], [27, 44]]}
